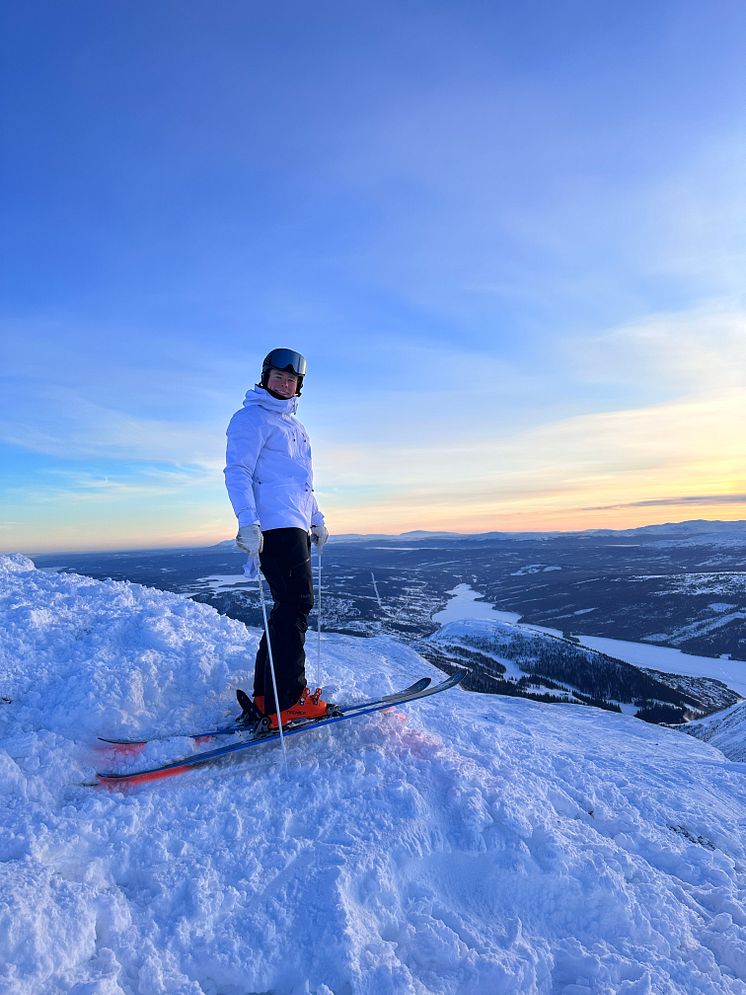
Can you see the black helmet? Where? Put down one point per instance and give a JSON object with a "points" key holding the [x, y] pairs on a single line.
{"points": [[284, 359]]}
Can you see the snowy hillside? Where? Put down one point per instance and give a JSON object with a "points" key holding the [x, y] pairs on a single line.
{"points": [[505, 658], [726, 730], [467, 844]]}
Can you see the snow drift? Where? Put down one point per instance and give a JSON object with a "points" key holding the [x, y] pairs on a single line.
{"points": [[470, 844]]}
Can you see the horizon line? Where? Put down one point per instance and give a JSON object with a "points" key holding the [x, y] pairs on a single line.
{"points": [[386, 535]]}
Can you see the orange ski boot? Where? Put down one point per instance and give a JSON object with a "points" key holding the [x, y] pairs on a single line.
{"points": [[309, 706]]}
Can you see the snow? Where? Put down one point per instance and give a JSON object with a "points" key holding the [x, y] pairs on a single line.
{"points": [[725, 729], [727, 582], [216, 583], [467, 603], [704, 626], [534, 568], [471, 632], [468, 843], [672, 661]]}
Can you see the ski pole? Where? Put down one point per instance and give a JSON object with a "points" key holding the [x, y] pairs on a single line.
{"points": [[318, 630], [272, 671]]}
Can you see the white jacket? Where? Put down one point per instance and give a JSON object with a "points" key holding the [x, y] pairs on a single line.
{"points": [[268, 465]]}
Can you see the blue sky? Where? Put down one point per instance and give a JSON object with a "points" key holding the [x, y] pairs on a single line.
{"points": [[510, 239]]}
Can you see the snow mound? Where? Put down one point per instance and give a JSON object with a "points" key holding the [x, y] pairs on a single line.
{"points": [[81, 655], [12, 563], [466, 844]]}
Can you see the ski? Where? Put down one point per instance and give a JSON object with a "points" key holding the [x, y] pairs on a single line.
{"points": [[238, 727], [197, 759]]}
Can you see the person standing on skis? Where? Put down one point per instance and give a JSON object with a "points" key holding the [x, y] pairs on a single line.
{"points": [[269, 479]]}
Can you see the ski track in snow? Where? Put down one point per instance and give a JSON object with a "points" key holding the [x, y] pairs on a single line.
{"points": [[465, 844]]}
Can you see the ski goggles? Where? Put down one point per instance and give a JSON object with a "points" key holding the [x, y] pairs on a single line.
{"points": [[287, 360]]}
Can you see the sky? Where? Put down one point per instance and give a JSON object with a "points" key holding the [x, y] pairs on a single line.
{"points": [[510, 240]]}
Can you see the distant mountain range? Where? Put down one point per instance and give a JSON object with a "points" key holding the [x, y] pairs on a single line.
{"points": [[697, 531]]}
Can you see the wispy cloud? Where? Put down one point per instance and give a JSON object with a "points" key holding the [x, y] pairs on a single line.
{"points": [[699, 351], [138, 482], [682, 499], [61, 422]]}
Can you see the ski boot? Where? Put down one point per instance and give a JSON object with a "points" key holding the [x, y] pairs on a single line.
{"points": [[252, 712], [308, 706]]}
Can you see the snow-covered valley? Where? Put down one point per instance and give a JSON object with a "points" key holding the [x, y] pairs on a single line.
{"points": [[464, 844], [465, 603]]}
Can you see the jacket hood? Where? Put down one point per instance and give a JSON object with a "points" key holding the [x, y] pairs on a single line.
{"points": [[258, 395]]}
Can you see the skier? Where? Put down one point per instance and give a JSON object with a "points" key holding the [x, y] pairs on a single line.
{"points": [[270, 484]]}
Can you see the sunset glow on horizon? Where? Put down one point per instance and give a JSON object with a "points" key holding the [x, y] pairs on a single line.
{"points": [[514, 264]]}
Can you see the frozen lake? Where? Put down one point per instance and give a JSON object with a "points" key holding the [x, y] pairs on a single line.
{"points": [[465, 603]]}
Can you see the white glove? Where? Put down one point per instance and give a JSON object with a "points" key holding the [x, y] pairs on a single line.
{"points": [[319, 535], [250, 539]]}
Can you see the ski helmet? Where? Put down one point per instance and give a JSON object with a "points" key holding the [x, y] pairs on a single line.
{"points": [[284, 359]]}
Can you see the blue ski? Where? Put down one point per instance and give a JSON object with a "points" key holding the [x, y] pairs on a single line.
{"points": [[197, 759], [242, 727]]}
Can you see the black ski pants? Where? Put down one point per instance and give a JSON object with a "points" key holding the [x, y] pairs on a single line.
{"points": [[285, 560]]}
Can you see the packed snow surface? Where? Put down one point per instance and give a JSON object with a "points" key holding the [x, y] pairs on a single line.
{"points": [[465, 844]]}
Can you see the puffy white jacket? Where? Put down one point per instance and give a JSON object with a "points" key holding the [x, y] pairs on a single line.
{"points": [[268, 465]]}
